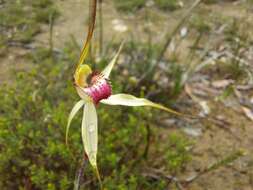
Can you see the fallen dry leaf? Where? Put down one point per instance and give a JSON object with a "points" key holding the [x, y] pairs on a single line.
{"points": [[248, 112], [205, 109], [222, 83]]}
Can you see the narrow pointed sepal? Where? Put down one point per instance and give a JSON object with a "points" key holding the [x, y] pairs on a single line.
{"points": [[92, 20], [130, 100], [98, 177], [72, 114], [107, 70], [90, 132]]}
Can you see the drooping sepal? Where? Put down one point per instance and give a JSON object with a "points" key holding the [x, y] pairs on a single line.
{"points": [[90, 132], [72, 114], [90, 135], [130, 100]]}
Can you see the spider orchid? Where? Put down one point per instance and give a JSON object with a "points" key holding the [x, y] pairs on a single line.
{"points": [[93, 88]]}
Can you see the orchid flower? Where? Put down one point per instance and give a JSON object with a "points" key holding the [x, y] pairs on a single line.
{"points": [[94, 87]]}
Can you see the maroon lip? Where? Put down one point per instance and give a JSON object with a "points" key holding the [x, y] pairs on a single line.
{"points": [[99, 88]]}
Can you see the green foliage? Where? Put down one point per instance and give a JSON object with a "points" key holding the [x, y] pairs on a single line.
{"points": [[129, 6], [176, 72], [225, 161], [226, 93], [179, 154], [43, 16], [33, 118], [20, 20], [33, 153], [200, 24], [134, 5], [235, 70], [210, 1], [238, 37], [42, 3], [167, 4]]}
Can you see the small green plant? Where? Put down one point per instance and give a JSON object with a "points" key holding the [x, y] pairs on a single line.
{"points": [[21, 20], [129, 6], [29, 142], [170, 5], [178, 154], [210, 1], [201, 24], [42, 3]]}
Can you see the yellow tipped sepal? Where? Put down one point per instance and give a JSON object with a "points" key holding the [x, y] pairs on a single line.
{"points": [[130, 100]]}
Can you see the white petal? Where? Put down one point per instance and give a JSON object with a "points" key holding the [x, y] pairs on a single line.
{"points": [[130, 100], [90, 132], [107, 70], [72, 114]]}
